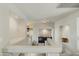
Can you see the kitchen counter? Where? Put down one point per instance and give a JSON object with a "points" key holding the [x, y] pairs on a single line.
{"points": [[50, 50]]}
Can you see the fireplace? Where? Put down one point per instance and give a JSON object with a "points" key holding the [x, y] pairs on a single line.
{"points": [[43, 39]]}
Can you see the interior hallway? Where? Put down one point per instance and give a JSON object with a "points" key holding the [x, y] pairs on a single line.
{"points": [[39, 29]]}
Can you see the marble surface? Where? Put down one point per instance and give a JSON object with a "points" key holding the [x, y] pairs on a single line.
{"points": [[34, 49]]}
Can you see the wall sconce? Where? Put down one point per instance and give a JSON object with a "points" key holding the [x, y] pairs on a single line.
{"points": [[29, 27]]}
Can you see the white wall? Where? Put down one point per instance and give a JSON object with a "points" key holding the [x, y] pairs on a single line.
{"points": [[4, 27], [37, 27], [77, 23], [17, 30], [71, 22]]}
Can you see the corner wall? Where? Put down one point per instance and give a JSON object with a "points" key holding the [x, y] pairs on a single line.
{"points": [[71, 22]]}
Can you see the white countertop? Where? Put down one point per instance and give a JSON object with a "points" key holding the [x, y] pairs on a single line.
{"points": [[34, 49]]}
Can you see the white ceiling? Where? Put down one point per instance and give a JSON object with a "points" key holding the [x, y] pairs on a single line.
{"points": [[39, 11], [36, 11]]}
